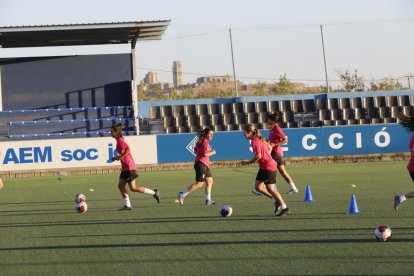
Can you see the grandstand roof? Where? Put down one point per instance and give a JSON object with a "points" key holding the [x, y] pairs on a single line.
{"points": [[81, 34]]}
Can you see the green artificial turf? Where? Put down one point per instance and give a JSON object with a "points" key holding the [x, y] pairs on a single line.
{"points": [[41, 233]]}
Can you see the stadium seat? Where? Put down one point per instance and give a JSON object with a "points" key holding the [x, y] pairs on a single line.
{"points": [[240, 118], [328, 122], [323, 114], [407, 110], [291, 124], [367, 102], [201, 109], [297, 106], [356, 102], [375, 121], [282, 124], [352, 122], [317, 123], [287, 116], [332, 103], [335, 114], [192, 120], [189, 109], [273, 106], [309, 106], [228, 118], [168, 121], [284, 106], [364, 121], [194, 128], [360, 113], [236, 108], [180, 120], [263, 117], [166, 110], [183, 129], [304, 124], [261, 107], [389, 120], [169, 130], [320, 104], [252, 118], [249, 107], [219, 128], [225, 108], [344, 103], [216, 120], [204, 121], [391, 101], [403, 100], [379, 101], [347, 114], [231, 127], [213, 109], [394, 111], [340, 122], [178, 110], [372, 112], [384, 112]]}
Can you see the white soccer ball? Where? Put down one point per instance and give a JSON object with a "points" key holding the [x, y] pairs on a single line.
{"points": [[383, 233], [82, 207], [225, 210], [80, 198]]}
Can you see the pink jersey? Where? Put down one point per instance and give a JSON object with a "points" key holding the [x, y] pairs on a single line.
{"points": [[410, 166], [127, 161], [266, 162], [201, 151], [275, 136]]}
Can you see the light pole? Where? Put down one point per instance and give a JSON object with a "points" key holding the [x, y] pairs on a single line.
{"points": [[234, 70], [324, 61]]}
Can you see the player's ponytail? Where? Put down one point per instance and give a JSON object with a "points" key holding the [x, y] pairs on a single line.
{"points": [[250, 128], [407, 122], [117, 129], [201, 135]]}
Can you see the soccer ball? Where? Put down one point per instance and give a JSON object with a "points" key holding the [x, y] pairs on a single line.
{"points": [[80, 198], [81, 207], [225, 210], [383, 233]]}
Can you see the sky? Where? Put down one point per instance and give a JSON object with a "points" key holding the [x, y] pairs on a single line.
{"points": [[270, 38]]}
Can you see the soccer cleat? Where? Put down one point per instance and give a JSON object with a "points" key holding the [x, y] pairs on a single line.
{"points": [[210, 202], [157, 195], [181, 198], [277, 207], [397, 202], [125, 208], [292, 191], [283, 213]]}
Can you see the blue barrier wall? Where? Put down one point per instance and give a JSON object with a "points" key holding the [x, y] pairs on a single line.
{"points": [[303, 142]]}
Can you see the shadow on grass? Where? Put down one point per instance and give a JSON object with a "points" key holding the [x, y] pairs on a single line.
{"points": [[194, 244]]}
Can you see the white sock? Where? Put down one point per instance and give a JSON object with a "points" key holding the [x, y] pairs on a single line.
{"points": [[127, 203], [208, 197], [292, 185], [284, 206], [149, 191], [402, 198], [185, 192]]}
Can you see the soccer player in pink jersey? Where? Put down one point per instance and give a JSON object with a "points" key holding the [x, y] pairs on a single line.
{"points": [[276, 139], [408, 123], [203, 152], [128, 171], [266, 176]]}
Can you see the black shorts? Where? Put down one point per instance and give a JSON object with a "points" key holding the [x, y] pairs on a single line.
{"points": [[277, 158], [202, 171], [128, 175], [268, 177], [412, 175]]}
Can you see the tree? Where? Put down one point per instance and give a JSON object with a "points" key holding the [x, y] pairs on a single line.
{"points": [[386, 84], [259, 88], [283, 86], [351, 82]]}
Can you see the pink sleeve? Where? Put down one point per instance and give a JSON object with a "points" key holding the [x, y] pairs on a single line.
{"points": [[280, 133]]}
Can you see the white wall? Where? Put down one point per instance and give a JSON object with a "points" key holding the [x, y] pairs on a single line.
{"points": [[72, 153]]}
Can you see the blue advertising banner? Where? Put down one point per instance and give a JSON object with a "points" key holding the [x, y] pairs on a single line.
{"points": [[302, 142]]}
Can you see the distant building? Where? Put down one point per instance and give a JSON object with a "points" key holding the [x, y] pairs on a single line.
{"points": [[177, 73], [216, 79], [151, 78]]}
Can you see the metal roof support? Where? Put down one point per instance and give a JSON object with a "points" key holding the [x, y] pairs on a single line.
{"points": [[134, 87]]}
